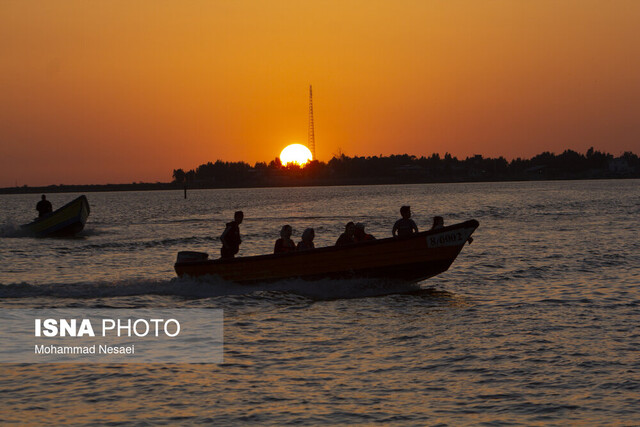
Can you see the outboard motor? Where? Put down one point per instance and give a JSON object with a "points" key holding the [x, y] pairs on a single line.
{"points": [[191, 256]]}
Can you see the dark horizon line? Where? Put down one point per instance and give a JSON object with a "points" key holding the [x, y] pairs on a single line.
{"points": [[164, 186]]}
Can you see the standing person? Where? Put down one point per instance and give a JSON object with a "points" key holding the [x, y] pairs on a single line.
{"points": [[307, 240], [284, 243], [44, 207], [231, 236], [404, 227], [347, 237], [361, 235]]}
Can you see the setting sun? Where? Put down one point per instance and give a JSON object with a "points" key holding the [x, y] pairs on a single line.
{"points": [[295, 153]]}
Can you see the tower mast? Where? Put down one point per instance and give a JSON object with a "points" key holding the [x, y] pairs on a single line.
{"points": [[311, 139]]}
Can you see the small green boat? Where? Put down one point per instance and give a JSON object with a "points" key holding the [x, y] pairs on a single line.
{"points": [[64, 222]]}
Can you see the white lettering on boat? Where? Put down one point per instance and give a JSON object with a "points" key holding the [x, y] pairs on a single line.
{"points": [[452, 238]]}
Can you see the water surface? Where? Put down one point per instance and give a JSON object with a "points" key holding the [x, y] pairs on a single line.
{"points": [[535, 322]]}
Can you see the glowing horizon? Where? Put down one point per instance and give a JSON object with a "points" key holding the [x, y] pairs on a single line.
{"points": [[119, 93]]}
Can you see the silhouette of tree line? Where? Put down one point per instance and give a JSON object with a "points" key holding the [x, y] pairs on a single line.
{"points": [[404, 168], [394, 169]]}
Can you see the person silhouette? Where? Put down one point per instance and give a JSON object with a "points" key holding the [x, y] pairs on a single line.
{"points": [[44, 206], [438, 222], [307, 240], [404, 227], [361, 235], [347, 237], [231, 236], [284, 243]]}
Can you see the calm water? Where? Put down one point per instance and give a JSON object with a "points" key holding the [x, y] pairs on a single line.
{"points": [[535, 323]]}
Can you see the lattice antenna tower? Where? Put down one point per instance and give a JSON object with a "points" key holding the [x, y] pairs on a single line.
{"points": [[311, 138]]}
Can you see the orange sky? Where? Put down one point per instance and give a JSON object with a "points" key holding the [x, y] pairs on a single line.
{"points": [[122, 91]]}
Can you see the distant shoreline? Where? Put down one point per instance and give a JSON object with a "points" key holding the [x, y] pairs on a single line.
{"points": [[389, 170], [100, 188]]}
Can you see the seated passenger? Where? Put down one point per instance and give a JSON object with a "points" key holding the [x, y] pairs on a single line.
{"points": [[347, 238], [360, 235], [438, 222], [307, 240], [404, 227], [284, 243]]}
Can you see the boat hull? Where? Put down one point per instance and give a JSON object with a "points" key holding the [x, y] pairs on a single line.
{"points": [[64, 222], [412, 259]]}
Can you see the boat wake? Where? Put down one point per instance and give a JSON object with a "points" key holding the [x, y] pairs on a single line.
{"points": [[210, 287], [331, 289], [93, 231], [11, 229]]}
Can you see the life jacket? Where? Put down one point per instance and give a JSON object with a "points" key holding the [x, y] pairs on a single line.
{"points": [[281, 247], [304, 246], [345, 239]]}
